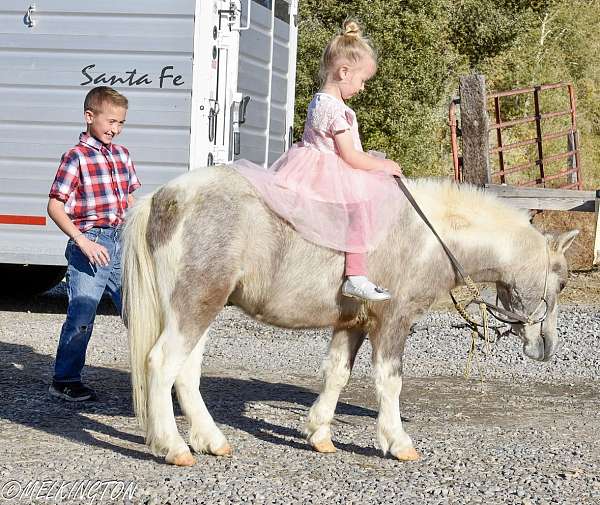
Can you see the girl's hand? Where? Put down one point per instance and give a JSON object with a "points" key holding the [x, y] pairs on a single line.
{"points": [[392, 168], [364, 161], [96, 253]]}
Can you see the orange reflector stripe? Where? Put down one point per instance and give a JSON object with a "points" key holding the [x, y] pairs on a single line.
{"points": [[33, 220]]}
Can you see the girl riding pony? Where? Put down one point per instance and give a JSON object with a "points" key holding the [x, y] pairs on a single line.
{"points": [[331, 191]]}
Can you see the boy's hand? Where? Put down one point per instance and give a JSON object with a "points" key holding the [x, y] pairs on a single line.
{"points": [[96, 253]]}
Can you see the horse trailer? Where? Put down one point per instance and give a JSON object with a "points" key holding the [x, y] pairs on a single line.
{"points": [[208, 81]]}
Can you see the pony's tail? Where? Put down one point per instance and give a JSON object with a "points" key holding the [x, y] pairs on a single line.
{"points": [[142, 310]]}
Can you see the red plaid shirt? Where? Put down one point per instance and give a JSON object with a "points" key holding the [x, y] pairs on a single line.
{"points": [[94, 180]]}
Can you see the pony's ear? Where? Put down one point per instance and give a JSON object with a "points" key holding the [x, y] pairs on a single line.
{"points": [[563, 241]]}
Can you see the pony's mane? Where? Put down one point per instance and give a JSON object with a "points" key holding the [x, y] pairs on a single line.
{"points": [[454, 207]]}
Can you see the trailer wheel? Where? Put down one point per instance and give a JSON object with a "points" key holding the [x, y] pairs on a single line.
{"points": [[21, 280]]}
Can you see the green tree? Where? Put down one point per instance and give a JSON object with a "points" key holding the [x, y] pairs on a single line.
{"points": [[424, 46], [406, 102]]}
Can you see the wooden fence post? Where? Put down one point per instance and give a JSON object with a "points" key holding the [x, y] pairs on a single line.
{"points": [[474, 126]]}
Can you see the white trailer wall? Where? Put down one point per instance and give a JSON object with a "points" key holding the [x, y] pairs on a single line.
{"points": [[176, 61], [46, 71]]}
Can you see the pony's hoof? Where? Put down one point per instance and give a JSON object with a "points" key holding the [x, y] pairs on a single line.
{"points": [[409, 454], [181, 459], [224, 450], [324, 447]]}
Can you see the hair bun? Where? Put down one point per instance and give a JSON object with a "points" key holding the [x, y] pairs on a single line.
{"points": [[352, 29]]}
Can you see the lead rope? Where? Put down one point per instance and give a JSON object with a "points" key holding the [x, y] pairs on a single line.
{"points": [[473, 354]]}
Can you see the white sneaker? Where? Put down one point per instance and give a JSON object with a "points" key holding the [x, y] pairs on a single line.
{"points": [[365, 291]]}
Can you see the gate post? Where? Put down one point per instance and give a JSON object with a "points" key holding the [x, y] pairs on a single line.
{"points": [[597, 231], [474, 126]]}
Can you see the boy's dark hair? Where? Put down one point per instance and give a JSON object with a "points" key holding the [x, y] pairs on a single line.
{"points": [[101, 94]]}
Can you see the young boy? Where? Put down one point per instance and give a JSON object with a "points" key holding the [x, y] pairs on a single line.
{"points": [[87, 201]]}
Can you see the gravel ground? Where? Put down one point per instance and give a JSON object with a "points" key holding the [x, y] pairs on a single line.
{"points": [[527, 435]]}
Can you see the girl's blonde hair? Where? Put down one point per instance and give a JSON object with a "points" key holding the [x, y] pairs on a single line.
{"points": [[348, 47]]}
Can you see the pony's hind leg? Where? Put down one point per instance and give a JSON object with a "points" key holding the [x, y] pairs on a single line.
{"points": [[336, 370], [164, 363], [200, 293], [388, 348], [205, 436]]}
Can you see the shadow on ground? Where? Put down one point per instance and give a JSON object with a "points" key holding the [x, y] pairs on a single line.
{"points": [[25, 374], [52, 302]]}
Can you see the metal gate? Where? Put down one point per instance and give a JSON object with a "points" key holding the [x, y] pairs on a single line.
{"points": [[543, 169]]}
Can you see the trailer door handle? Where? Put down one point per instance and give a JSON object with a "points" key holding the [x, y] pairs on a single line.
{"points": [[243, 105], [238, 117], [236, 143], [28, 17], [212, 121]]}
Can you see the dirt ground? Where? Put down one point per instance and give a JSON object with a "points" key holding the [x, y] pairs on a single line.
{"points": [[510, 440], [514, 442]]}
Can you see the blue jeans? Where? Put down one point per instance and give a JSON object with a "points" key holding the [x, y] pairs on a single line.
{"points": [[86, 284]]}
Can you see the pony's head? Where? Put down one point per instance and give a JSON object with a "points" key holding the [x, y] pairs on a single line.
{"points": [[534, 294]]}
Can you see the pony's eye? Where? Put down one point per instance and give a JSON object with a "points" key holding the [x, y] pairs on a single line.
{"points": [[562, 285]]}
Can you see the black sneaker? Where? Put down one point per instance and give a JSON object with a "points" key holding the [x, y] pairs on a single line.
{"points": [[72, 391]]}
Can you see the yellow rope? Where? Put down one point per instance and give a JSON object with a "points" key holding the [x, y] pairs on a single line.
{"points": [[473, 351], [472, 287], [486, 331]]}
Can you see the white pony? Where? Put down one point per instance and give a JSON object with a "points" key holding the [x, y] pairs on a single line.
{"points": [[206, 239]]}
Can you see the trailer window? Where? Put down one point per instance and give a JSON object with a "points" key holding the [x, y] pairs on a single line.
{"points": [[282, 8], [265, 3], [282, 11]]}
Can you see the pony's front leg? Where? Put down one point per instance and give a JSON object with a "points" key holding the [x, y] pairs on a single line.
{"points": [[336, 370], [205, 436], [387, 360]]}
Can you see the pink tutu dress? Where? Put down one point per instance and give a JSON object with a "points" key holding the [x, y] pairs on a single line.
{"points": [[326, 200]]}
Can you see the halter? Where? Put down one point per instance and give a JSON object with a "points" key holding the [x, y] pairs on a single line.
{"points": [[512, 318], [486, 308]]}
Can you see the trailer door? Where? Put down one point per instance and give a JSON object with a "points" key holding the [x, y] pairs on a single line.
{"points": [[267, 72], [216, 44]]}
